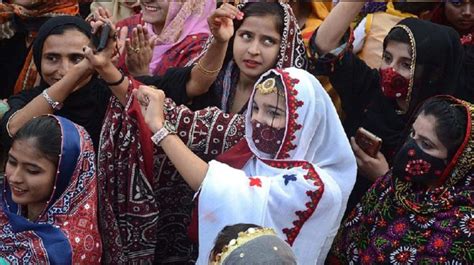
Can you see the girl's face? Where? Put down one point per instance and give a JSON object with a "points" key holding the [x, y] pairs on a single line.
{"points": [[256, 45], [154, 11], [269, 109], [397, 55], [460, 14], [424, 133], [29, 173], [61, 53]]}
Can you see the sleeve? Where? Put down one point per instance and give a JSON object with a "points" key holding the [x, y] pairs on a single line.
{"points": [[299, 203], [207, 132], [355, 82], [173, 83], [16, 103], [359, 36]]}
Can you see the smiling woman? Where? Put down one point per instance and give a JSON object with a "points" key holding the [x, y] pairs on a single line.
{"points": [[49, 207]]}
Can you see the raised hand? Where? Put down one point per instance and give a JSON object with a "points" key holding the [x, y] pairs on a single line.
{"points": [[370, 167], [151, 101], [221, 22], [139, 51]]}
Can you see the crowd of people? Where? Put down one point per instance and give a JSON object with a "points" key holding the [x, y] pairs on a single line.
{"points": [[249, 132]]}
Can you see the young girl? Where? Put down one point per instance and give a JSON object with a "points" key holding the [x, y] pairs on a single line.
{"points": [[413, 216], [283, 175], [247, 41], [49, 206]]}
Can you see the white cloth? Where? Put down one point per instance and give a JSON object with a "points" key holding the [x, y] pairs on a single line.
{"points": [[320, 165]]}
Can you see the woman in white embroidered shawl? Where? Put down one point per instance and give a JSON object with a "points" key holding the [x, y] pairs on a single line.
{"points": [[293, 172]]}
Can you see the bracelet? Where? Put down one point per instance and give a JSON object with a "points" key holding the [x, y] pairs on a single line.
{"points": [[206, 71], [160, 135], [117, 82], [56, 105]]}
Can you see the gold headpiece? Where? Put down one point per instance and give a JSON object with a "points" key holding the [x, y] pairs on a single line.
{"points": [[242, 238], [268, 86]]}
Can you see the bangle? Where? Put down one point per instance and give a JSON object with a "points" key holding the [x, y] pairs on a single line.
{"points": [[117, 82], [166, 130], [56, 105], [206, 71]]}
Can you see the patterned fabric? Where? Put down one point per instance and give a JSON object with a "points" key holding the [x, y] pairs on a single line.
{"points": [[398, 224], [301, 191], [292, 54], [146, 208], [15, 17], [66, 232], [185, 32]]}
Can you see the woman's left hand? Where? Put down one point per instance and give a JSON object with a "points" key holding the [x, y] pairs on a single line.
{"points": [[103, 58], [371, 167], [151, 101]]}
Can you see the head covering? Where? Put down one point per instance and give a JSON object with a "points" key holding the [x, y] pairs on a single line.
{"points": [[256, 246], [395, 223], [436, 59], [54, 24], [292, 54], [15, 18], [301, 192], [439, 17], [66, 232], [184, 18]]}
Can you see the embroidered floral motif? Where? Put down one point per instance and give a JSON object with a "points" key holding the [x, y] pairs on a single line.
{"points": [[289, 178], [467, 224], [255, 182], [403, 256]]}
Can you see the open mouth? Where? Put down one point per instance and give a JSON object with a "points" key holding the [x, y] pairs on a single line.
{"points": [[17, 191], [150, 8]]}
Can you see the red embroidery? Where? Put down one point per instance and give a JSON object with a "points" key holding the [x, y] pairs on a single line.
{"points": [[293, 105], [255, 182], [315, 196]]}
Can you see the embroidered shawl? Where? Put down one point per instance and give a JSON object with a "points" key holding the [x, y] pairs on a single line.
{"points": [[301, 192], [397, 224], [66, 232], [145, 204]]}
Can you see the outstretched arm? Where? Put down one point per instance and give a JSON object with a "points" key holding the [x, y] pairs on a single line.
{"points": [[336, 24], [190, 166], [205, 71]]}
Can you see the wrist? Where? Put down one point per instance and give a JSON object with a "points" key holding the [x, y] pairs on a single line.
{"points": [[218, 42], [156, 126]]}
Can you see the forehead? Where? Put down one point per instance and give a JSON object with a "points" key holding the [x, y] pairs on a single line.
{"points": [[71, 41], [270, 99], [425, 125], [398, 49], [26, 150], [265, 24]]}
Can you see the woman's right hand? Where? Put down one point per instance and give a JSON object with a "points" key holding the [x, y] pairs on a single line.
{"points": [[151, 101], [221, 21]]}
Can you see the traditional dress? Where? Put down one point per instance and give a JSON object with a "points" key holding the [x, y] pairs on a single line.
{"points": [[301, 192], [17, 24], [436, 67], [397, 224], [66, 232], [183, 36]]}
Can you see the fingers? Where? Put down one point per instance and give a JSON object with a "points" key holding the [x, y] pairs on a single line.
{"points": [[142, 36], [359, 153]]}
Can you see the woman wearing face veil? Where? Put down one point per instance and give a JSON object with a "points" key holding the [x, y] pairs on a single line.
{"points": [[421, 211], [49, 202], [283, 175], [420, 60]]}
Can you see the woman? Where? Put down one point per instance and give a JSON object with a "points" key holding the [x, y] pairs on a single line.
{"points": [[456, 14], [179, 28], [20, 22], [414, 217], [420, 59], [247, 41], [49, 207], [283, 175]]}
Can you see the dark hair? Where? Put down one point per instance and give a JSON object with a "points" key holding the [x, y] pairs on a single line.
{"points": [[451, 122], [227, 234], [396, 34], [415, 8], [258, 9], [47, 133]]}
